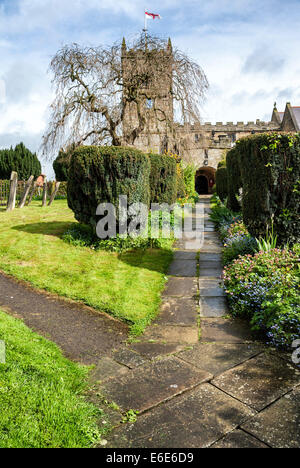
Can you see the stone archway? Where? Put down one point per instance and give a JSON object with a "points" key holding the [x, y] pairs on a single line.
{"points": [[205, 180]]}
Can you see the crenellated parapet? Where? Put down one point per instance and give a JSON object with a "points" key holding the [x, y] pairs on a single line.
{"points": [[258, 126]]}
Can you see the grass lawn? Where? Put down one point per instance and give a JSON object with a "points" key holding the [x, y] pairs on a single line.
{"points": [[41, 402], [127, 285]]}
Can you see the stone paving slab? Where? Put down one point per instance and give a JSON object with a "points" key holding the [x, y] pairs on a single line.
{"points": [[211, 248], [107, 368], [278, 425], [178, 310], [213, 306], [183, 268], [215, 242], [259, 381], [286, 355], [225, 330], [145, 387], [184, 255], [193, 247], [181, 287], [211, 288], [212, 236], [206, 272], [211, 264], [195, 420], [128, 358], [188, 335], [154, 350], [216, 358], [239, 439], [210, 257]]}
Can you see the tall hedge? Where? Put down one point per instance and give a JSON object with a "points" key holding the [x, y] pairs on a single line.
{"points": [[101, 174], [21, 160], [234, 180], [270, 172], [61, 165], [163, 179], [221, 181]]}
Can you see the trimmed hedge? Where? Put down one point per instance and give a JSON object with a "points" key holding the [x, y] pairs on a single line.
{"points": [[163, 179], [20, 160], [61, 165], [221, 180], [270, 172], [101, 174], [234, 180]]}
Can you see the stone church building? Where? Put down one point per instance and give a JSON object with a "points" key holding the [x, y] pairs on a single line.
{"points": [[203, 144]]}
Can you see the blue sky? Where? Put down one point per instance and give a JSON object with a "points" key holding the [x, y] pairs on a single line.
{"points": [[248, 49]]}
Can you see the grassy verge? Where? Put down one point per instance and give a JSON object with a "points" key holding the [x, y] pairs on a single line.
{"points": [[126, 285], [41, 402]]}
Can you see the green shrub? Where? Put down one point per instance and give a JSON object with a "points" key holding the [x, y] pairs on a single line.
{"points": [[189, 175], [234, 181], [221, 181], [238, 246], [102, 174], [181, 191], [62, 163], [221, 214], [270, 172], [163, 179], [20, 160]]}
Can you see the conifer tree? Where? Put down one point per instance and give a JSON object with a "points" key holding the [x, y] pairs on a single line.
{"points": [[20, 160]]}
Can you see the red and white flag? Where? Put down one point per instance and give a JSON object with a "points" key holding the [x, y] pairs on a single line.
{"points": [[152, 15]]}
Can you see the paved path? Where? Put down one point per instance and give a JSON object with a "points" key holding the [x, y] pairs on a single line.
{"points": [[197, 378], [82, 333]]}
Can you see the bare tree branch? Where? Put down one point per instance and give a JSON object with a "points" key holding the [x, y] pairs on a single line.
{"points": [[97, 88]]}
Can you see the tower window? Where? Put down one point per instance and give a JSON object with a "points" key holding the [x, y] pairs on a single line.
{"points": [[149, 103], [206, 154], [196, 138]]}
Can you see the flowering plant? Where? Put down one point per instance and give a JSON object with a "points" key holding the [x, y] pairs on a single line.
{"points": [[265, 288]]}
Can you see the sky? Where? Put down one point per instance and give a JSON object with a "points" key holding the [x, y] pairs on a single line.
{"points": [[249, 51]]}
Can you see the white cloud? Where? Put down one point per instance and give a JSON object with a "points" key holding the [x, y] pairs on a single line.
{"points": [[248, 50]]}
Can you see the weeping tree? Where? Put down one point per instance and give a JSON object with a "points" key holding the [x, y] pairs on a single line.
{"points": [[114, 95]]}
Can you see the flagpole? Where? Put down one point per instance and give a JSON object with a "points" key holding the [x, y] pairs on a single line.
{"points": [[145, 28]]}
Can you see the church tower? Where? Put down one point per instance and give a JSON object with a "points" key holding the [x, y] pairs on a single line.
{"points": [[149, 72]]}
